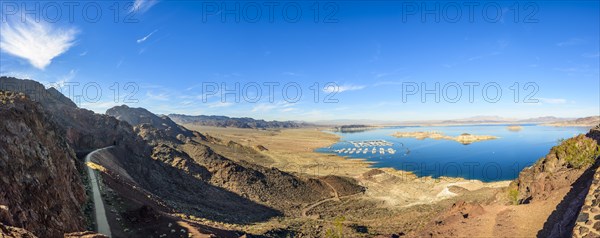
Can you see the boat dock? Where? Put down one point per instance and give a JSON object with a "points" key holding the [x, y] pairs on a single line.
{"points": [[370, 146], [370, 143], [374, 150]]}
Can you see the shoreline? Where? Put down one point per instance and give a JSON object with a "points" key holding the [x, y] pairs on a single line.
{"points": [[293, 151], [369, 164]]}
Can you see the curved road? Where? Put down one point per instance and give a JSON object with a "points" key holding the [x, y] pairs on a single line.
{"points": [[336, 197], [101, 221]]}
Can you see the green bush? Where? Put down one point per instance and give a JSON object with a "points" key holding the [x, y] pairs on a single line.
{"points": [[337, 231], [578, 152], [513, 196]]}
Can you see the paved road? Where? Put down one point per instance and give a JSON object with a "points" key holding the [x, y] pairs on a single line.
{"points": [[101, 221]]}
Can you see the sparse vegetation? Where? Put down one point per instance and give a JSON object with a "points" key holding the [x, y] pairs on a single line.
{"points": [[337, 230], [578, 152], [513, 196]]}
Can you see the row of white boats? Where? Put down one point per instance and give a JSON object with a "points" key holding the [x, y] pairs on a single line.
{"points": [[370, 143], [365, 150]]}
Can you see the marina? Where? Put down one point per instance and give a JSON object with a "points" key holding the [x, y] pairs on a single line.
{"points": [[370, 143], [368, 146], [422, 155], [374, 150]]}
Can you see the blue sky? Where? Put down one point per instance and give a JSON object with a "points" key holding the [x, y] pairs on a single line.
{"points": [[165, 51]]}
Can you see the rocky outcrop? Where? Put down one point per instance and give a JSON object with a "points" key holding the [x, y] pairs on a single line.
{"points": [[84, 234], [192, 156], [562, 166], [85, 130], [40, 187], [569, 166], [141, 116], [177, 165], [14, 232], [223, 121], [267, 185], [445, 224]]}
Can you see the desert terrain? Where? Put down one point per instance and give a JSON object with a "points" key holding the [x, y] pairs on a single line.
{"points": [[157, 178], [395, 202]]}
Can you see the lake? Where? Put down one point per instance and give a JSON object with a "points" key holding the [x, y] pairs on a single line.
{"points": [[491, 160]]}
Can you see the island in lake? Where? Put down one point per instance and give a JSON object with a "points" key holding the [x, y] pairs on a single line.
{"points": [[514, 128], [464, 138]]}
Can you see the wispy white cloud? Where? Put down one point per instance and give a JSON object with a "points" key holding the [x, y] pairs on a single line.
{"points": [[36, 42], [159, 96], [290, 74], [570, 42], [267, 107], [264, 107], [395, 82], [376, 55], [574, 69], [288, 109], [378, 75], [120, 62], [343, 88], [66, 78], [146, 37], [591, 55], [141, 6], [83, 53], [220, 104], [475, 58], [553, 100]]}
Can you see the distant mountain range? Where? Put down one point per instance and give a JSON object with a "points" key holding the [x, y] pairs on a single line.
{"points": [[498, 119], [585, 121], [242, 122], [245, 122], [460, 121]]}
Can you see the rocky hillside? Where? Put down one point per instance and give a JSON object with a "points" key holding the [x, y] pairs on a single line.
{"points": [[85, 130], [140, 116], [188, 175], [194, 156], [560, 167], [41, 188], [570, 165], [223, 121]]}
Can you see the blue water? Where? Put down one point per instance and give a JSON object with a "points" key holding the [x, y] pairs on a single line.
{"points": [[492, 160]]}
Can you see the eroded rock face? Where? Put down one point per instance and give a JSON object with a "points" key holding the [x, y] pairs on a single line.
{"points": [[85, 234], [190, 154], [41, 190], [563, 165], [85, 130], [142, 117], [445, 225], [10, 232]]}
